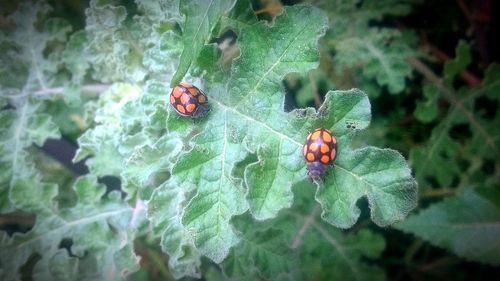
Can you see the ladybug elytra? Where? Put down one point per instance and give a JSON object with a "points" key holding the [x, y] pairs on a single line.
{"points": [[188, 100], [319, 151]]}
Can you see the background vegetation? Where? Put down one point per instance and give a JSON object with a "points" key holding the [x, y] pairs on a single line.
{"points": [[99, 180]]}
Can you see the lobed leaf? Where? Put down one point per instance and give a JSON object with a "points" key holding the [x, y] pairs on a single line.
{"points": [[21, 128], [165, 212], [247, 117], [104, 139], [288, 247], [208, 166], [115, 50], [197, 29], [381, 175], [99, 228], [246, 154], [261, 253]]}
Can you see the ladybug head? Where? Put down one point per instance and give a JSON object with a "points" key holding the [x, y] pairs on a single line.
{"points": [[316, 169], [200, 111]]}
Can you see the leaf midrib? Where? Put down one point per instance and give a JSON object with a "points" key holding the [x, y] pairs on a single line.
{"points": [[462, 226], [18, 132], [205, 16], [278, 61], [338, 246], [82, 221], [282, 136]]}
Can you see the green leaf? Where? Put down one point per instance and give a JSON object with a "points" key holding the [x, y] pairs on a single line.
{"points": [[74, 56], [201, 18], [165, 212], [261, 252], [381, 175], [241, 16], [164, 56], [373, 51], [382, 61], [427, 111], [21, 128], [149, 165], [467, 225], [101, 229], [208, 166], [455, 67], [159, 11], [116, 46], [103, 140], [343, 255], [247, 117], [246, 154], [289, 247], [31, 43]]}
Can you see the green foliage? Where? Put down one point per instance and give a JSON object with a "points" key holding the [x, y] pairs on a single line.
{"points": [[440, 156], [25, 69], [100, 228], [197, 30], [228, 196], [465, 224], [468, 225], [264, 250], [368, 51], [21, 128]]}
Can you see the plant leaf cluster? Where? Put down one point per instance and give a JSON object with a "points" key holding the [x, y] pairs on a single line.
{"points": [[232, 187], [460, 155]]}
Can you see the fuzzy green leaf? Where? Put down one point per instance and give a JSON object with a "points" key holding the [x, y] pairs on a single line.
{"points": [[427, 111], [165, 213], [100, 228], [116, 46], [201, 18], [74, 56], [194, 194], [381, 175], [289, 246], [255, 79], [159, 11], [20, 129], [247, 117], [467, 225], [261, 252], [103, 140], [377, 53]]}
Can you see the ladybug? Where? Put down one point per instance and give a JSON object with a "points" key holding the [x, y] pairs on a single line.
{"points": [[319, 151], [188, 100]]}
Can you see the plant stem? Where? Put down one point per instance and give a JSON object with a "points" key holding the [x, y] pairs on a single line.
{"points": [[412, 250], [17, 219], [91, 89], [307, 223], [452, 98], [445, 191], [471, 79], [441, 262]]}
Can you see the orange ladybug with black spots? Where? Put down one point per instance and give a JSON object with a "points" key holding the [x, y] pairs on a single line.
{"points": [[188, 100], [319, 151]]}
